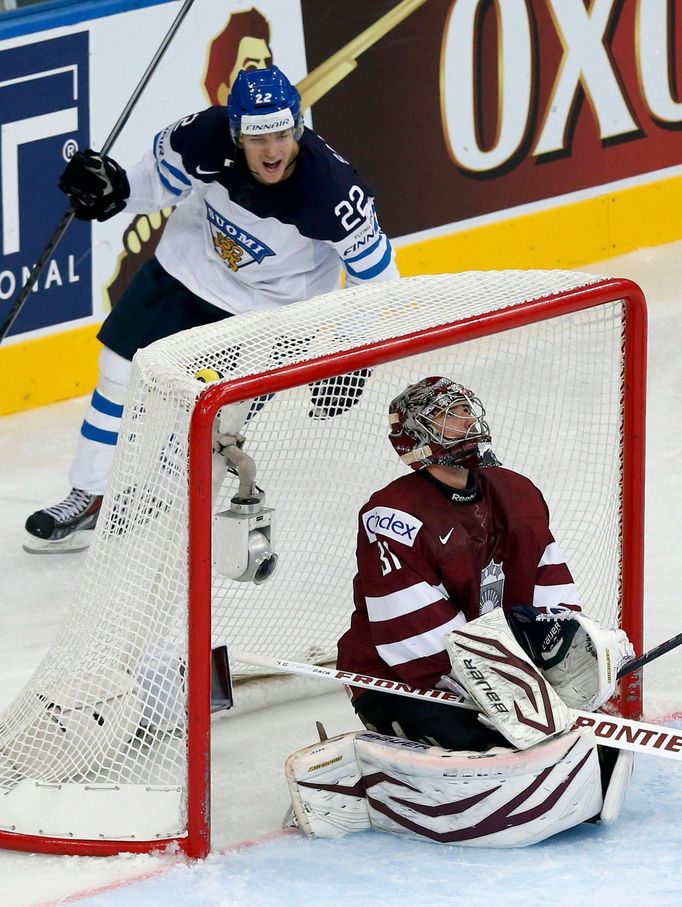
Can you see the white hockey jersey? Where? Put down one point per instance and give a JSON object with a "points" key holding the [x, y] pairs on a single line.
{"points": [[242, 245]]}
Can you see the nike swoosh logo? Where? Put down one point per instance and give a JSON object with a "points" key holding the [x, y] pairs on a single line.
{"points": [[444, 538], [203, 172]]}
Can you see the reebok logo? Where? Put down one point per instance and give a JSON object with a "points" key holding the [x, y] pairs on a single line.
{"points": [[444, 539], [394, 524]]}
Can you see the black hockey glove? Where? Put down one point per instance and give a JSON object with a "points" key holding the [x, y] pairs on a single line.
{"points": [[332, 396], [545, 638], [96, 185]]}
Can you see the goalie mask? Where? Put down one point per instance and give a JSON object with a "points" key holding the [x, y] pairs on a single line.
{"points": [[262, 101], [437, 421]]}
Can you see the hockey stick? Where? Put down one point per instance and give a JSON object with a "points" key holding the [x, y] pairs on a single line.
{"points": [[64, 223], [402, 689], [644, 659], [349, 679], [610, 730]]}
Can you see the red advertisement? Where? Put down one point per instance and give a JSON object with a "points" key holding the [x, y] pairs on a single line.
{"points": [[459, 108], [453, 109]]}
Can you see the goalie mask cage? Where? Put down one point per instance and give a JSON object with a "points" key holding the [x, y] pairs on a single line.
{"points": [[107, 748]]}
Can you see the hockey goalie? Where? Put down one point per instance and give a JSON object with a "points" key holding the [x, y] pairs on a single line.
{"points": [[461, 586]]}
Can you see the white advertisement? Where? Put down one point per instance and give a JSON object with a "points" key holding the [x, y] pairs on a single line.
{"points": [[64, 89]]}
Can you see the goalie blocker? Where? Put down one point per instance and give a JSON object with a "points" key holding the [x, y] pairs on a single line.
{"points": [[578, 660]]}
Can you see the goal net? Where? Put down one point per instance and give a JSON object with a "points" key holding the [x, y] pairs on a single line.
{"points": [[107, 747]]}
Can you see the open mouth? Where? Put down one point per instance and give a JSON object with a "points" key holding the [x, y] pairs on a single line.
{"points": [[271, 166]]}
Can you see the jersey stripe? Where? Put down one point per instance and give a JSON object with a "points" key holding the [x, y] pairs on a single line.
{"points": [[404, 601], [549, 596], [185, 184], [369, 273], [420, 646], [552, 555]]}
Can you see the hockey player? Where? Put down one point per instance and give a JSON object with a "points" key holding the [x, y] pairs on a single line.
{"points": [[441, 546], [461, 585], [267, 214]]}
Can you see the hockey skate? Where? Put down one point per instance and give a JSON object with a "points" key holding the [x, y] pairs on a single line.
{"points": [[66, 527]]}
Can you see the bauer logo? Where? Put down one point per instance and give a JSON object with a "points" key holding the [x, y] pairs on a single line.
{"points": [[44, 107], [394, 524], [235, 246]]}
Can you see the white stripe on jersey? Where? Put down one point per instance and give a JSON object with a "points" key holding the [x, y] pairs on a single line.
{"points": [[174, 180], [552, 555], [430, 643], [549, 596], [405, 601], [371, 262]]}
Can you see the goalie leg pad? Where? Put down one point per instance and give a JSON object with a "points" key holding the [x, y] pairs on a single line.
{"points": [[502, 798], [616, 787], [326, 790], [510, 691]]}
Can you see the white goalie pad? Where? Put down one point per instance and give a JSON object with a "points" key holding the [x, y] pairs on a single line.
{"points": [[502, 798], [326, 790], [510, 691], [586, 677], [617, 786]]}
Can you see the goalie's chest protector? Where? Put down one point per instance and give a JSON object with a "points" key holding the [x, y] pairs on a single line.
{"points": [[421, 557], [506, 530], [520, 531]]}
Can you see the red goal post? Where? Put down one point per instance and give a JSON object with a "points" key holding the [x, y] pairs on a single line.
{"points": [[559, 359]]}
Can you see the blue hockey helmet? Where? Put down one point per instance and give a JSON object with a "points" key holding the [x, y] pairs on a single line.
{"points": [[263, 100]]}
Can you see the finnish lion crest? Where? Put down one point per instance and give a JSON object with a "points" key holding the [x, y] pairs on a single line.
{"points": [[229, 251], [235, 246]]}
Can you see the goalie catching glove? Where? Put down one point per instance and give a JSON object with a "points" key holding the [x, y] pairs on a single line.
{"points": [[578, 658], [96, 185]]}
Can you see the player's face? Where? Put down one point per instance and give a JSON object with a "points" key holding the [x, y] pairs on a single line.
{"points": [[270, 157], [455, 422]]}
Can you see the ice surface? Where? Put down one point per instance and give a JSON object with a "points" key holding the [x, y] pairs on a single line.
{"points": [[633, 861]]}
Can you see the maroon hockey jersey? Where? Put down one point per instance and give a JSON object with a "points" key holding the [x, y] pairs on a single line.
{"points": [[427, 564]]}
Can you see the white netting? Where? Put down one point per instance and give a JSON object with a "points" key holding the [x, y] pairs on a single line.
{"points": [[107, 705]]}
